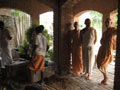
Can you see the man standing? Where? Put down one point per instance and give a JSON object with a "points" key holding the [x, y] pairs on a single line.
{"points": [[88, 39], [77, 66], [39, 52], [5, 37], [105, 56]]}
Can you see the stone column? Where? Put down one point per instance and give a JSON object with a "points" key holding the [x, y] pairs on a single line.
{"points": [[57, 39], [62, 24], [117, 61], [66, 26], [35, 18]]}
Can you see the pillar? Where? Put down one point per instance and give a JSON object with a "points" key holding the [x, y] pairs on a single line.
{"points": [[66, 26], [117, 61], [35, 18], [63, 19], [57, 39]]}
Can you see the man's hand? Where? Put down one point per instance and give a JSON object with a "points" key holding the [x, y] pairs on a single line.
{"points": [[95, 37], [47, 48], [10, 38]]}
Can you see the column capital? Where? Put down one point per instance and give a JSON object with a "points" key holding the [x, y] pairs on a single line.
{"points": [[35, 19]]}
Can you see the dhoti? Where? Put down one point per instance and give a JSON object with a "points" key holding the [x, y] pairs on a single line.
{"points": [[37, 64], [88, 58]]}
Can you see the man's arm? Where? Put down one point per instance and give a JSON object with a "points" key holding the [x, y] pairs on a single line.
{"points": [[8, 34], [47, 48], [114, 42], [33, 50], [95, 36], [81, 33], [35, 45], [114, 39]]}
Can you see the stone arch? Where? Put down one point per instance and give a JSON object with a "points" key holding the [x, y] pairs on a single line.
{"points": [[16, 29], [32, 7], [97, 5], [95, 25], [4, 10], [82, 12]]}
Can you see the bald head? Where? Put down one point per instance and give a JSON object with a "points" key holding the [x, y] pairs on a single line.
{"points": [[87, 22], [108, 22]]}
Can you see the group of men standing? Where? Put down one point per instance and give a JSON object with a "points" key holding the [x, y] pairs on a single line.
{"points": [[82, 47]]}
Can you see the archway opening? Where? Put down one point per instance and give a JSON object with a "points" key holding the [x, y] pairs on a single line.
{"points": [[17, 22], [46, 19], [96, 22]]}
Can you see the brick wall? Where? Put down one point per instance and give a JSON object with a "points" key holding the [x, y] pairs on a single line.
{"points": [[63, 19]]}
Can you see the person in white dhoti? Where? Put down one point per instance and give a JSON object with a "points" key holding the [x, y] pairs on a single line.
{"points": [[5, 37], [88, 39]]}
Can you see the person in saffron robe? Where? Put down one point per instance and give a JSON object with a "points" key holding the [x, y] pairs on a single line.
{"points": [[76, 51], [108, 44], [39, 52], [88, 39]]}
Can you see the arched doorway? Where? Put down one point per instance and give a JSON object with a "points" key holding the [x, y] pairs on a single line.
{"points": [[96, 22], [18, 22], [46, 19]]}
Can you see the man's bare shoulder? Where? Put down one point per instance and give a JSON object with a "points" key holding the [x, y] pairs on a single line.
{"points": [[113, 30], [92, 28]]}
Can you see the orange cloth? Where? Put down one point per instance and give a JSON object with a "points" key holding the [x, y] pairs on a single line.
{"points": [[37, 64], [108, 43], [76, 53]]}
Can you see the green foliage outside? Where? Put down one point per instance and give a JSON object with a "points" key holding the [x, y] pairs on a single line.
{"points": [[50, 51], [96, 20], [50, 54], [29, 31], [116, 18], [48, 36], [17, 13], [24, 47]]}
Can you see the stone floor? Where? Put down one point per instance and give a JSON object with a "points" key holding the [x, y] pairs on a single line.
{"points": [[69, 82], [80, 83]]}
